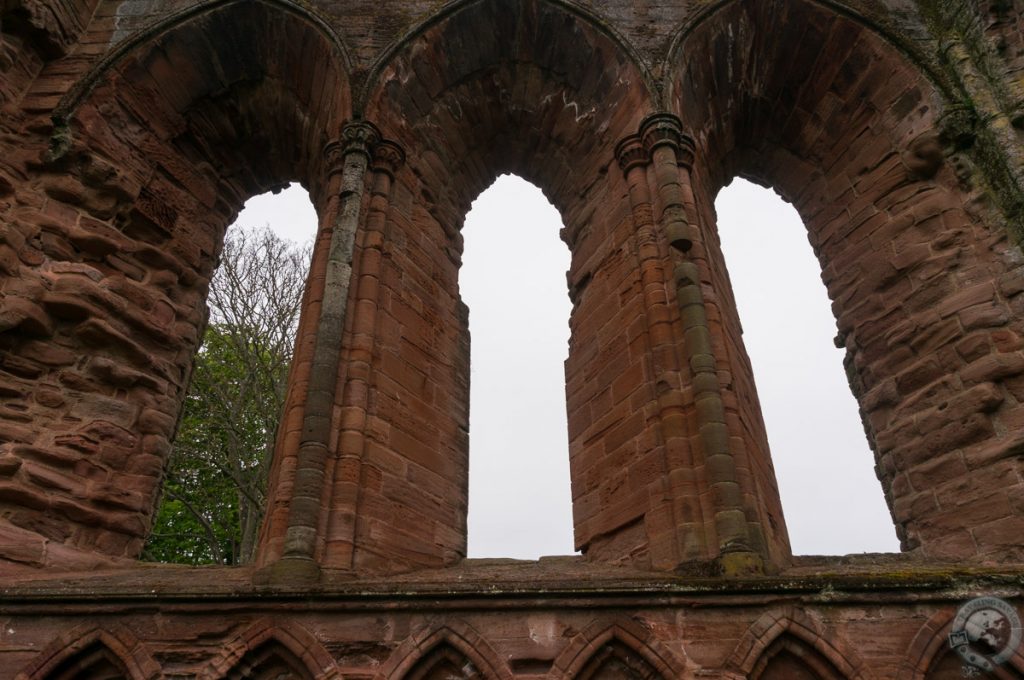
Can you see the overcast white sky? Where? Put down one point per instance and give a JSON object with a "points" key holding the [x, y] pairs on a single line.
{"points": [[513, 280]]}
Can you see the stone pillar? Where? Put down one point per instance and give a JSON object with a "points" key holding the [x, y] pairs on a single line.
{"points": [[340, 540], [668, 152], [305, 504], [686, 540]]}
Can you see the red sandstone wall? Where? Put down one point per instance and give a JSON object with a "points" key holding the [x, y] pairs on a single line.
{"points": [[849, 133], [904, 166], [557, 120], [112, 226], [112, 242], [528, 626]]}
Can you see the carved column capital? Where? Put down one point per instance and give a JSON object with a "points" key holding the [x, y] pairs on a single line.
{"points": [[359, 137], [630, 153], [334, 158], [686, 151], [656, 130], [661, 129], [665, 129], [388, 157], [959, 126]]}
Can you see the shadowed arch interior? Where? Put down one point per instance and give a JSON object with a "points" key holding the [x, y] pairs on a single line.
{"points": [[615, 660], [442, 662], [269, 661], [521, 103], [170, 24], [248, 108], [90, 652], [789, 658], [95, 662]]}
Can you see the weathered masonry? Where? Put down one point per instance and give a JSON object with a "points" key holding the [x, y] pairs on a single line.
{"points": [[131, 132]]}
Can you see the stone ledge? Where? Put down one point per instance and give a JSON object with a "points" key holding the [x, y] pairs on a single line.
{"points": [[836, 580]]}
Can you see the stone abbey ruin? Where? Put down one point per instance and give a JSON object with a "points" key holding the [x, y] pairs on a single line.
{"points": [[131, 133]]}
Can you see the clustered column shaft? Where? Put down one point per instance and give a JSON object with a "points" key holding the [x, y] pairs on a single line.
{"points": [[662, 145], [387, 158], [348, 158], [681, 488]]}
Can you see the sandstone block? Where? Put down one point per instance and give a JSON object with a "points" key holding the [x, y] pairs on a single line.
{"points": [[17, 313]]}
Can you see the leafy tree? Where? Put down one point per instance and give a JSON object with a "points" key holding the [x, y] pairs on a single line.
{"points": [[215, 485]]}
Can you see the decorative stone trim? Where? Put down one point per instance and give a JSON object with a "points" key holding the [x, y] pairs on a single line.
{"points": [[117, 639], [289, 635], [457, 634], [631, 153], [589, 642], [388, 157], [802, 627]]}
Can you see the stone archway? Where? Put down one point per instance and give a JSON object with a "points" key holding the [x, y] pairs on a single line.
{"points": [[126, 213], [840, 122], [462, 117], [94, 653]]}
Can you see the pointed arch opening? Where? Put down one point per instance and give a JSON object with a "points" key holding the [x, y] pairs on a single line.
{"points": [[821, 457], [624, 650], [215, 485], [92, 653], [529, 104], [152, 163], [512, 279], [270, 649], [794, 641], [835, 117], [444, 651]]}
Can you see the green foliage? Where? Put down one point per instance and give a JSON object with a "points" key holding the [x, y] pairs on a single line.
{"points": [[215, 485]]}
